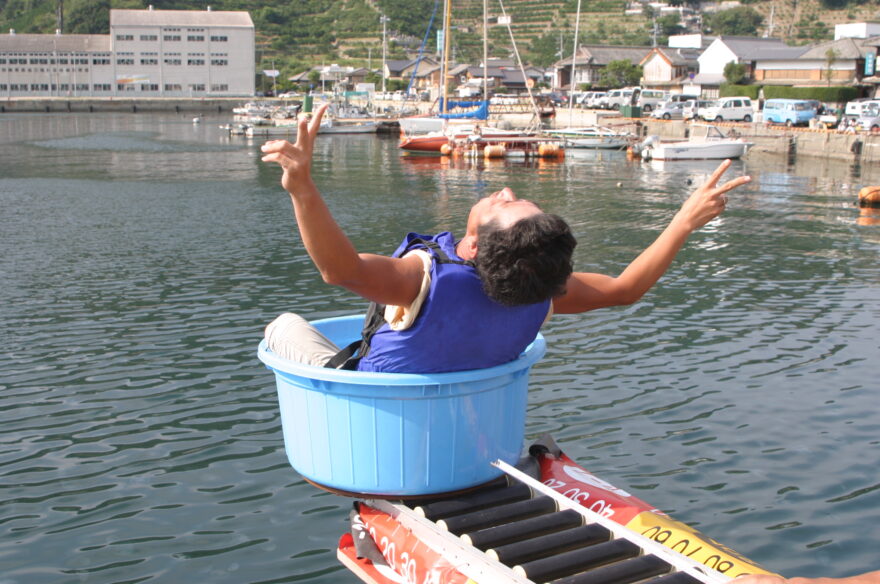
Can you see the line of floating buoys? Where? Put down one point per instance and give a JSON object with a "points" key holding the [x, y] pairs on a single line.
{"points": [[869, 196]]}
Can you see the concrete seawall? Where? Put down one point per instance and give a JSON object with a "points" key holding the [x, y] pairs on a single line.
{"points": [[119, 104]]}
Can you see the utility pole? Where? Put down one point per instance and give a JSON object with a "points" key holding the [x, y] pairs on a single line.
{"points": [[384, 20]]}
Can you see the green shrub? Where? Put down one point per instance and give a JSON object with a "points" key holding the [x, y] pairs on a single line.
{"points": [[730, 90], [826, 94]]}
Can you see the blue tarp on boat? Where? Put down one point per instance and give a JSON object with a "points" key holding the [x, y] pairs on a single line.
{"points": [[480, 113]]}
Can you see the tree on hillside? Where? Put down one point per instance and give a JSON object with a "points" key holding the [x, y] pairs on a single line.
{"points": [[87, 17], [620, 74], [668, 25], [830, 58], [739, 21], [734, 72], [544, 50]]}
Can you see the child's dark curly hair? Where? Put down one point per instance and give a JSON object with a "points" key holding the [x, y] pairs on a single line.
{"points": [[526, 263]]}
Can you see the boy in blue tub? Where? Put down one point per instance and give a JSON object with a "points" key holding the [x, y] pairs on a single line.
{"points": [[442, 304]]}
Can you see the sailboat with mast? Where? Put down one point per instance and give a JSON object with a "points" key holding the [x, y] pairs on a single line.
{"points": [[592, 136], [419, 126], [468, 131]]}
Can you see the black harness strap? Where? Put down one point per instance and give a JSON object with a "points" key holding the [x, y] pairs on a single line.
{"points": [[345, 359]]}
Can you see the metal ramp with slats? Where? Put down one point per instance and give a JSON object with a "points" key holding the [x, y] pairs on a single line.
{"points": [[521, 531]]}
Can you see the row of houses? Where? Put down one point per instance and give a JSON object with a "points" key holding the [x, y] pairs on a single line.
{"points": [[694, 64]]}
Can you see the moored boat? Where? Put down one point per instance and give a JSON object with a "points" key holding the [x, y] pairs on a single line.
{"points": [[593, 137], [711, 145]]}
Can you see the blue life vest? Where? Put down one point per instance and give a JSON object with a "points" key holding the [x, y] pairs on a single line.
{"points": [[458, 327]]}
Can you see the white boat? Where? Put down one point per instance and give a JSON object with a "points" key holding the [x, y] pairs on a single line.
{"points": [[708, 145], [592, 137], [328, 126]]}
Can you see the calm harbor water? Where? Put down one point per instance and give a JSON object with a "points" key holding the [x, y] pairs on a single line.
{"points": [[142, 255]]}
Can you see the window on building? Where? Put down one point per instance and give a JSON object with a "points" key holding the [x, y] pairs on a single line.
{"points": [[100, 61], [149, 61], [219, 87], [171, 38], [219, 62], [219, 38], [197, 87], [82, 61], [195, 61], [173, 87], [172, 60], [149, 37], [125, 61], [103, 87], [125, 37], [3, 87], [2, 61], [196, 38]]}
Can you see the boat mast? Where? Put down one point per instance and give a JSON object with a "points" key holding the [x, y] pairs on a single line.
{"points": [[577, 24], [486, 50], [444, 67]]}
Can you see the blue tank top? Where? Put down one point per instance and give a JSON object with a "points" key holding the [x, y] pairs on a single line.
{"points": [[458, 327]]}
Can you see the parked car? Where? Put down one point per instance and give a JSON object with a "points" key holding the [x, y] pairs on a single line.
{"points": [[727, 109], [597, 100], [651, 98], [853, 109], [681, 97], [618, 97], [691, 108], [587, 99], [557, 98], [791, 112], [671, 110], [869, 119]]}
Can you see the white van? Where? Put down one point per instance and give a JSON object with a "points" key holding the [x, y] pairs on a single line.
{"points": [[618, 97], [729, 109], [649, 99]]}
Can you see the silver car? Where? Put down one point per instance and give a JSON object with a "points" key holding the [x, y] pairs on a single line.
{"points": [[670, 110]]}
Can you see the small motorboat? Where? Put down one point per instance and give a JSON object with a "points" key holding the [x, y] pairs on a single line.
{"points": [[593, 137], [708, 145]]}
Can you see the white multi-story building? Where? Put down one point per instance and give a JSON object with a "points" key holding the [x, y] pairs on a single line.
{"points": [[148, 53]]}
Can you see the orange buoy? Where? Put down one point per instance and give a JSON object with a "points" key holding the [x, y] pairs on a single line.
{"points": [[494, 151], [445, 149], [548, 150], [869, 197]]}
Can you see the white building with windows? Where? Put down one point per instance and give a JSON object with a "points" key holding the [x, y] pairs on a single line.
{"points": [[148, 53]]}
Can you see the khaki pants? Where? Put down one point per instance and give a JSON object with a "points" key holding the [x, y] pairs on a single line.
{"points": [[291, 337]]}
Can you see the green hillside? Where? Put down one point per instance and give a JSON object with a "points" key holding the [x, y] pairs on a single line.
{"points": [[295, 34]]}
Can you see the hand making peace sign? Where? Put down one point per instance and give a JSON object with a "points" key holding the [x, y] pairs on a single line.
{"points": [[296, 159]]}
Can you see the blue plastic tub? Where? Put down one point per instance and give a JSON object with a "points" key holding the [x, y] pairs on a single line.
{"points": [[398, 433]]}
